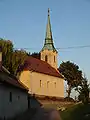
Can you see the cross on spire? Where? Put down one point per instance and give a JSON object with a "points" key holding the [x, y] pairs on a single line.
{"points": [[48, 12]]}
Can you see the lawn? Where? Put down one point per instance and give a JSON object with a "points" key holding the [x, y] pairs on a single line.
{"points": [[55, 106], [77, 112]]}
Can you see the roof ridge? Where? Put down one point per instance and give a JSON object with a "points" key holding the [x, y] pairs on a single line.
{"points": [[43, 62], [14, 81], [39, 66]]}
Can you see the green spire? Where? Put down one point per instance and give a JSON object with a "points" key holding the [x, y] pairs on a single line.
{"points": [[48, 29], [48, 38]]}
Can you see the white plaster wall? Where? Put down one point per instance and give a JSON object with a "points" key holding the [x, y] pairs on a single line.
{"points": [[10, 109], [50, 58], [25, 78], [34, 86]]}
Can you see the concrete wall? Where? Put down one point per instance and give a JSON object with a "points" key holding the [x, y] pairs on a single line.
{"points": [[50, 85], [18, 104], [50, 57]]}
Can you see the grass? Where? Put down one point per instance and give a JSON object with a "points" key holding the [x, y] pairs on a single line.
{"points": [[77, 112], [55, 106]]}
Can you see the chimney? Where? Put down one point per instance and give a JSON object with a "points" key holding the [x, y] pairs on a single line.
{"points": [[0, 56]]}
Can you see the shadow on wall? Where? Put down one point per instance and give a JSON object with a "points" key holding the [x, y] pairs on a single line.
{"points": [[34, 103]]}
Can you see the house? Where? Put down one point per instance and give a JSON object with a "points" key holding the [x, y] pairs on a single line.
{"points": [[42, 76], [14, 96]]}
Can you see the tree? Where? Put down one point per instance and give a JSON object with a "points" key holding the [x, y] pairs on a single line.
{"points": [[18, 58], [7, 50], [72, 75], [84, 92], [11, 59], [36, 55]]}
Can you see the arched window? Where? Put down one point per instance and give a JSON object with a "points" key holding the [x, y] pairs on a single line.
{"points": [[54, 59], [55, 84], [40, 83], [46, 59], [47, 84]]}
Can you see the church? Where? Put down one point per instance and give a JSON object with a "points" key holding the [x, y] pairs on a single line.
{"points": [[42, 76]]}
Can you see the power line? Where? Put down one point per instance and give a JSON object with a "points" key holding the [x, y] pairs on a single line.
{"points": [[75, 47], [72, 47]]}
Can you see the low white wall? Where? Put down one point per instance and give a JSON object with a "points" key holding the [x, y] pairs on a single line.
{"points": [[18, 105]]}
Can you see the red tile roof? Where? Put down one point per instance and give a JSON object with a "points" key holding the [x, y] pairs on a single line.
{"points": [[10, 79], [40, 66]]}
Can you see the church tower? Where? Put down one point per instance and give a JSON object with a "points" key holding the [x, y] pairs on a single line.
{"points": [[48, 52]]}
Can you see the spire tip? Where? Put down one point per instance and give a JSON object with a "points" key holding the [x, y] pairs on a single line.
{"points": [[48, 11]]}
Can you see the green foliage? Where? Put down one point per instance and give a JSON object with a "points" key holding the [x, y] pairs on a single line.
{"points": [[11, 59], [72, 75], [7, 50], [84, 92], [18, 58], [76, 112]]}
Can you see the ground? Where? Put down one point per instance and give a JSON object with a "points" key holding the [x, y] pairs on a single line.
{"points": [[77, 112], [73, 112]]}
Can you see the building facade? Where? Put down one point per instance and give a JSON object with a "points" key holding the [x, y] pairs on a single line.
{"points": [[13, 96], [48, 52], [43, 84], [42, 76]]}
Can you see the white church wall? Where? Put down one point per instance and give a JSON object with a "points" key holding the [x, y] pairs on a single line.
{"points": [[43, 84]]}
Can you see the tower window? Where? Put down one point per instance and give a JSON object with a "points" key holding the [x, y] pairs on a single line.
{"points": [[46, 59], [55, 84], [40, 83], [10, 97], [47, 84], [54, 58]]}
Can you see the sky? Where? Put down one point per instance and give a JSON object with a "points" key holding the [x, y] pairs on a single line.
{"points": [[24, 23]]}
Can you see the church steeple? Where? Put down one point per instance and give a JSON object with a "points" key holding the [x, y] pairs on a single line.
{"points": [[48, 52], [48, 30], [49, 45]]}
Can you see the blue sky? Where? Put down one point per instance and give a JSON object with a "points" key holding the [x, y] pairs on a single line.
{"points": [[24, 22]]}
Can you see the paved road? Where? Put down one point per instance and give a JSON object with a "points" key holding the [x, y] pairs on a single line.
{"points": [[46, 114]]}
